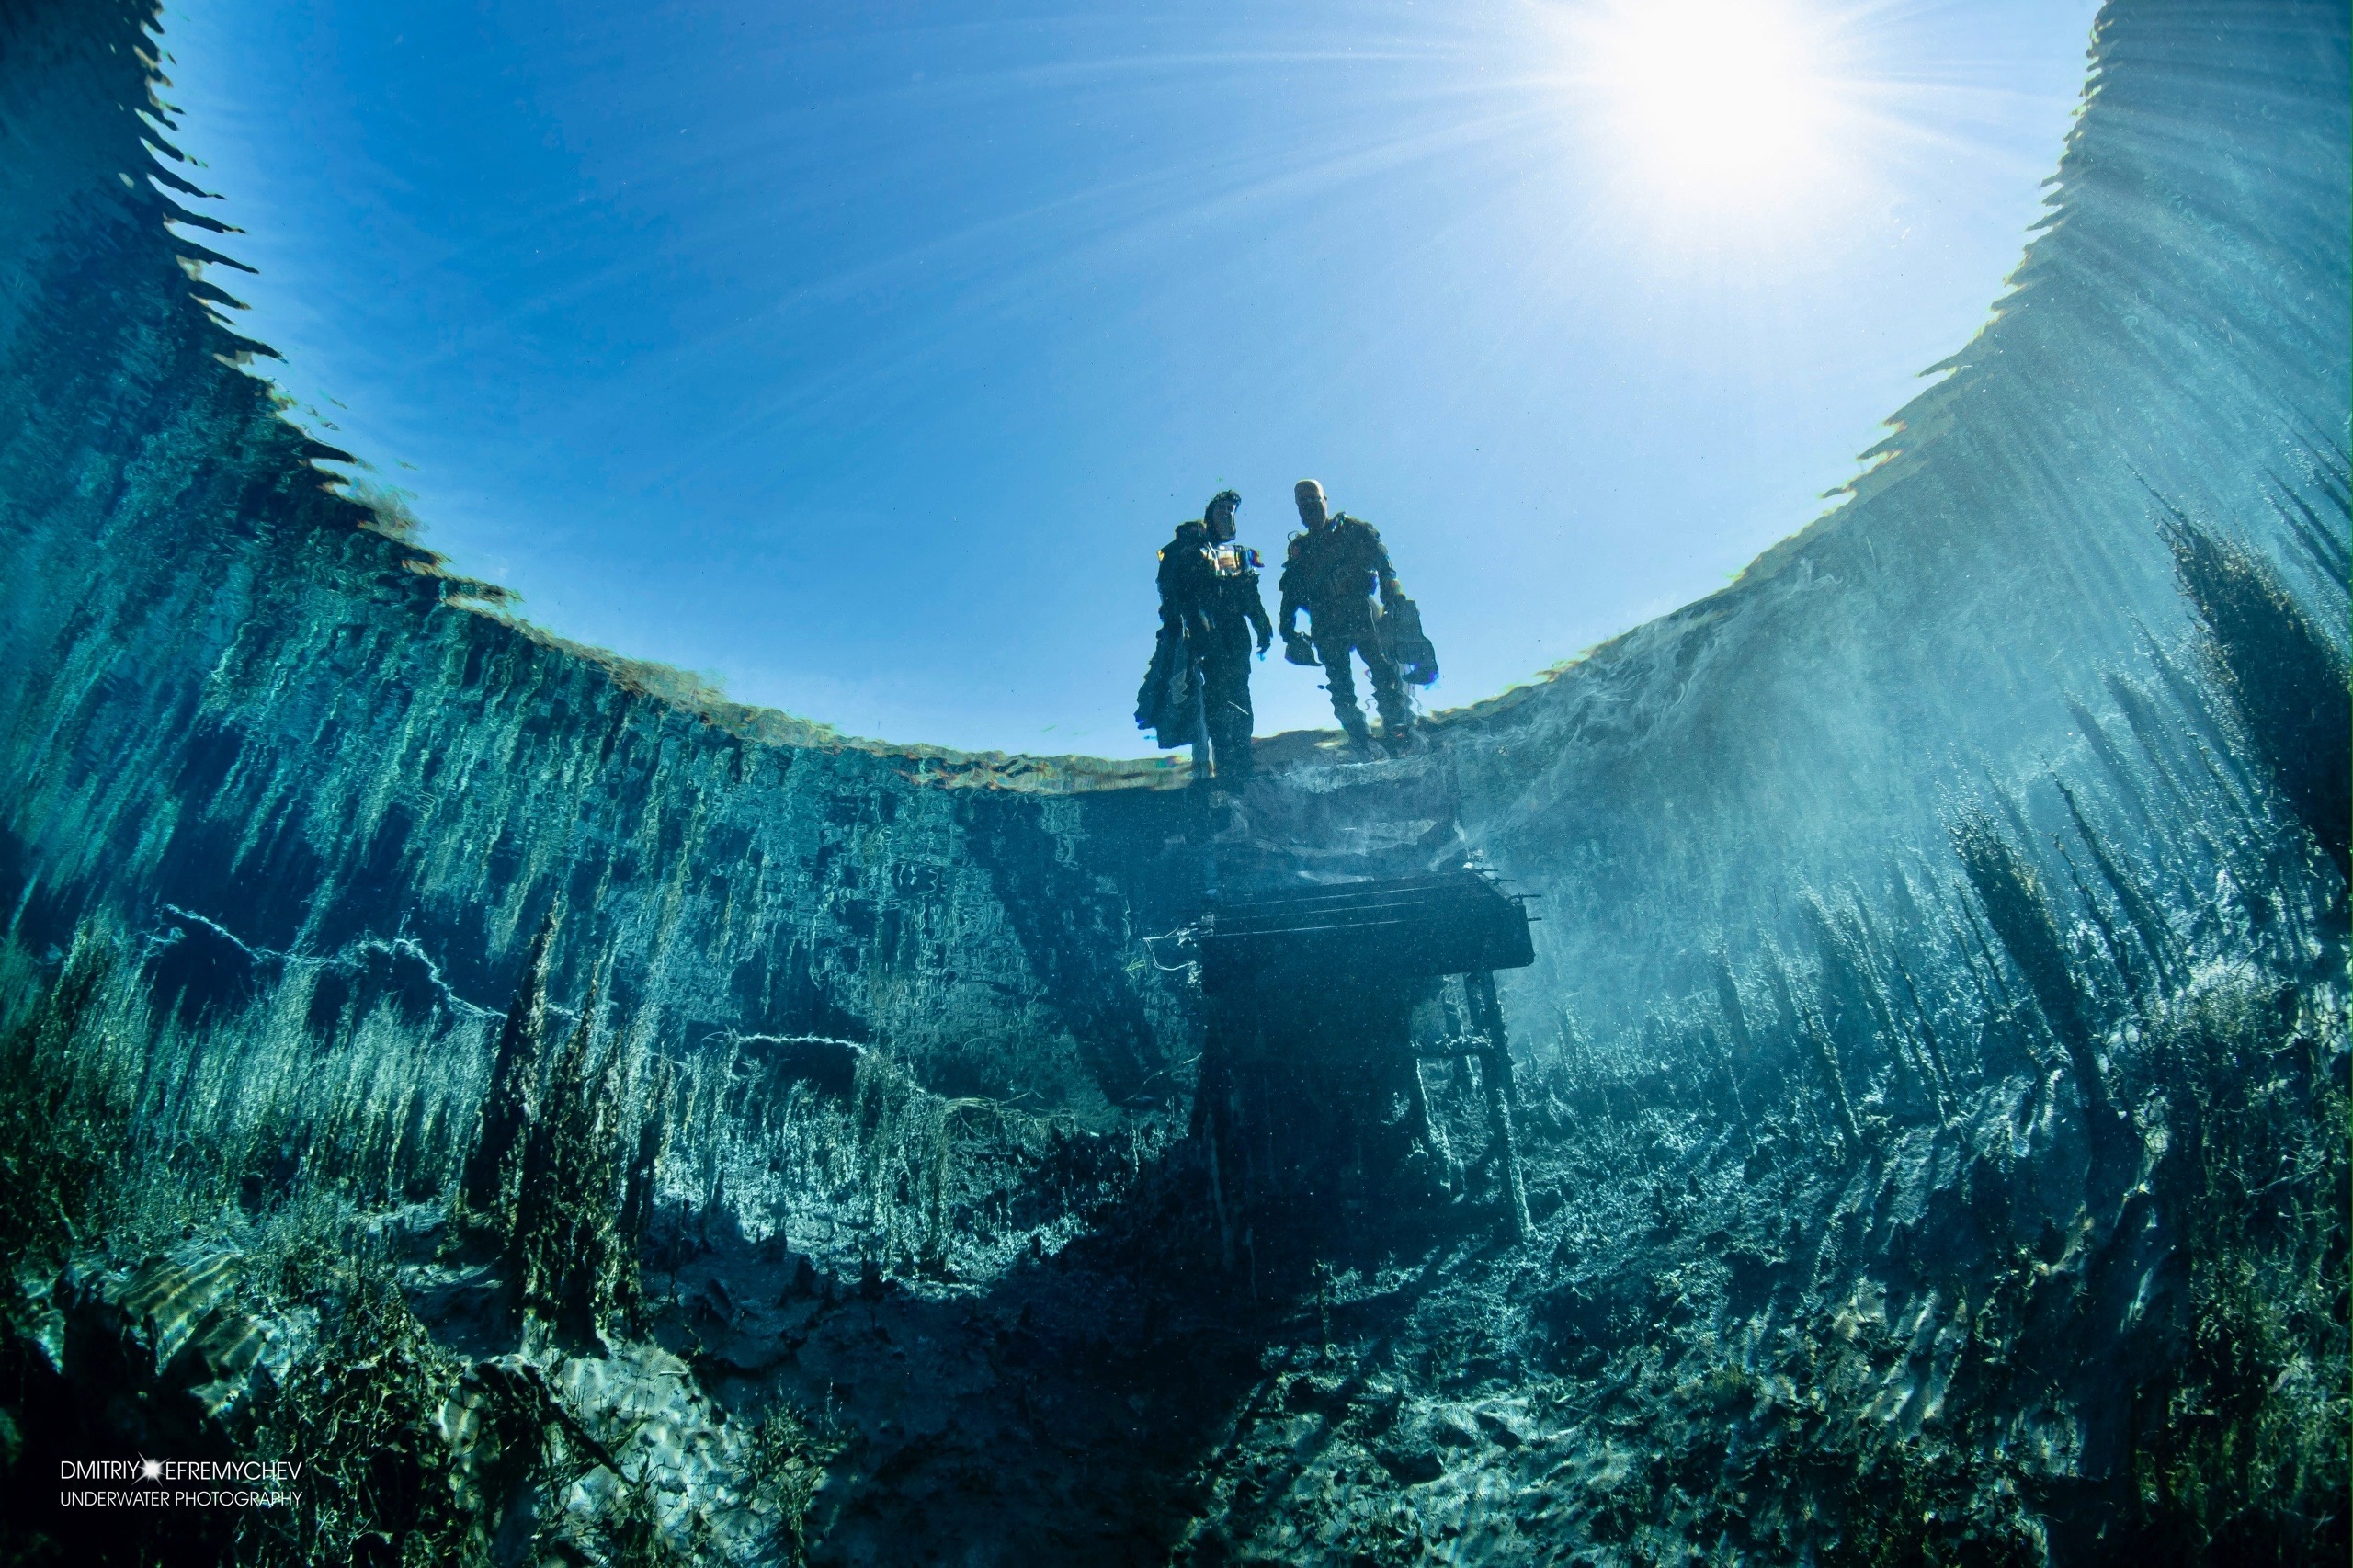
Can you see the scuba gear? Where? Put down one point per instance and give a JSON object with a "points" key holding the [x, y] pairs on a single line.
{"points": [[1299, 649], [1230, 560], [1408, 647], [1167, 703]]}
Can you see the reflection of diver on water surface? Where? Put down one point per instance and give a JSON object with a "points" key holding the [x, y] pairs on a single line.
{"points": [[1333, 571], [1198, 690]]}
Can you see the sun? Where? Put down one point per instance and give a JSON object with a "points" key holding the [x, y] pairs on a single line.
{"points": [[1720, 104]]}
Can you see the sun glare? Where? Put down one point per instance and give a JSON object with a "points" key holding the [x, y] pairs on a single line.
{"points": [[1727, 103]]}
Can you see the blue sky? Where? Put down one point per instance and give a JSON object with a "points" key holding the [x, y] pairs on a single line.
{"points": [[863, 362]]}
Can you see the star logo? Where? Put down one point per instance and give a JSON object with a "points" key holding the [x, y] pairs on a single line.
{"points": [[150, 1469]]}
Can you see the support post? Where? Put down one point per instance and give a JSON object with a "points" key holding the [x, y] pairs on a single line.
{"points": [[1495, 1073], [1217, 1201], [1433, 1136]]}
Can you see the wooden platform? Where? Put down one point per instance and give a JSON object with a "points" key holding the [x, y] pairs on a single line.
{"points": [[1446, 922]]}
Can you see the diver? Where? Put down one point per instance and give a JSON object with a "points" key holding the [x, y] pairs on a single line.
{"points": [[1333, 571], [1210, 612]]}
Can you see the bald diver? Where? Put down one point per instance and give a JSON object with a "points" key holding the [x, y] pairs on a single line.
{"points": [[1333, 571]]}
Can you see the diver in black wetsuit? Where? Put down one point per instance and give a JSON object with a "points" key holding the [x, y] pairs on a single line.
{"points": [[1210, 598]]}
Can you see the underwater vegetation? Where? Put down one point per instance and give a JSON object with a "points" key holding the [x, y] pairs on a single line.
{"points": [[579, 1119], [2286, 683]]}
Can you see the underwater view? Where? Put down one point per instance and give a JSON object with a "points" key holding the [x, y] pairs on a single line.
{"points": [[1847, 1065]]}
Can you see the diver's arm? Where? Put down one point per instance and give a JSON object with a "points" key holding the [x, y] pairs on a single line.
{"points": [[1288, 583], [1387, 574]]}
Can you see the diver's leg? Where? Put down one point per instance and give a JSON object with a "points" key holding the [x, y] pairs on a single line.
{"points": [[1389, 693], [1227, 676], [1196, 716], [1341, 680]]}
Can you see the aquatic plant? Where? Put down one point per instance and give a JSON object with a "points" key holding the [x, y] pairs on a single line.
{"points": [[2022, 918], [788, 1456], [362, 1414], [633, 1226], [64, 1108], [2241, 1453], [565, 1254], [2287, 680], [488, 1187]]}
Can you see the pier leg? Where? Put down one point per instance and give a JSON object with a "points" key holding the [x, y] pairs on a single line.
{"points": [[1426, 1124], [1495, 1072]]}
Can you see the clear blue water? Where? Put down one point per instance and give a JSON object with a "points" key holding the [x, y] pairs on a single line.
{"points": [[807, 349]]}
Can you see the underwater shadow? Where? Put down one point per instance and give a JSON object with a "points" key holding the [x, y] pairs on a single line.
{"points": [[1082, 1405]]}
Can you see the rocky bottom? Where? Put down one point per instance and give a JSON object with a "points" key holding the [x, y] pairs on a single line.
{"points": [[2032, 1331]]}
